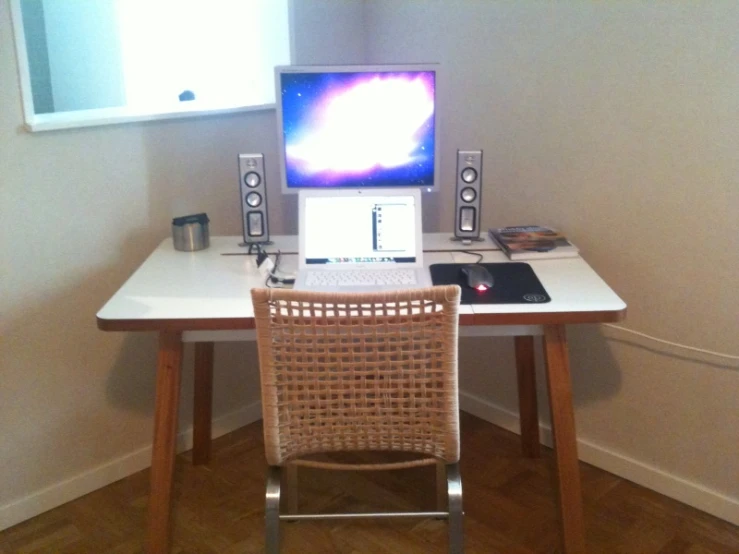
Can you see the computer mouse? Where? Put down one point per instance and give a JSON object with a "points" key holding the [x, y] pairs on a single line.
{"points": [[477, 277]]}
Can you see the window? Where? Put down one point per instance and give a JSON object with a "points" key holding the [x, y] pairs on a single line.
{"points": [[110, 61]]}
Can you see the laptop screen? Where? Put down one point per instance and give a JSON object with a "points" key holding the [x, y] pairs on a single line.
{"points": [[359, 229]]}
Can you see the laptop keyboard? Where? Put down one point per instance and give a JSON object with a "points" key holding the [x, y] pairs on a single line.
{"points": [[360, 278]]}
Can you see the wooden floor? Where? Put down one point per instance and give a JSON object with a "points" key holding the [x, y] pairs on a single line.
{"points": [[508, 502]]}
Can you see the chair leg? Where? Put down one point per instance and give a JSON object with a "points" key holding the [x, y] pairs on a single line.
{"points": [[272, 511], [456, 526]]}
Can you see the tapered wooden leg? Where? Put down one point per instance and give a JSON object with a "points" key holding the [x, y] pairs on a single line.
{"points": [[527, 406], [565, 440], [169, 371], [203, 403]]}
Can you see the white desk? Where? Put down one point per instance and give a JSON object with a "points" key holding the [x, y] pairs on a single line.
{"points": [[204, 297]]}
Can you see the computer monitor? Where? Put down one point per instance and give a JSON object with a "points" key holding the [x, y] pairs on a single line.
{"points": [[357, 126]]}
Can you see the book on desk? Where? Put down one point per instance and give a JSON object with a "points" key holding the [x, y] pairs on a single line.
{"points": [[533, 242]]}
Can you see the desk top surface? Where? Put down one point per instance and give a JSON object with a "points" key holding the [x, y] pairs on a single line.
{"points": [[210, 289]]}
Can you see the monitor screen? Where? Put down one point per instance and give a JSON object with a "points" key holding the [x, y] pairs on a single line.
{"points": [[357, 126]]}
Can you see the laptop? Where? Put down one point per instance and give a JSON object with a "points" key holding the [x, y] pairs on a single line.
{"points": [[358, 240]]}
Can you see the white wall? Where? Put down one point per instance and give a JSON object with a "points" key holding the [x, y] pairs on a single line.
{"points": [[80, 210], [616, 122]]}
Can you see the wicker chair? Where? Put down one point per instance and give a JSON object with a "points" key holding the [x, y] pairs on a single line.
{"points": [[359, 372]]}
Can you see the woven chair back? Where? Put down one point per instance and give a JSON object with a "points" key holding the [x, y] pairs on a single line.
{"points": [[359, 372]]}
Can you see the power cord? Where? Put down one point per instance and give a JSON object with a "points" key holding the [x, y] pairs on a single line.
{"points": [[719, 357], [479, 256], [262, 256], [269, 269]]}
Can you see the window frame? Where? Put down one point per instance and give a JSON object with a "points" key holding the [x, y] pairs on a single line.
{"points": [[34, 122]]}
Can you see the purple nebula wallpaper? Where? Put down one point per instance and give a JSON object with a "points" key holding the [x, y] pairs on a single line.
{"points": [[359, 129]]}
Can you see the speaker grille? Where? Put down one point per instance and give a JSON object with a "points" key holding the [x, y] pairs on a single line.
{"points": [[253, 188], [468, 194]]}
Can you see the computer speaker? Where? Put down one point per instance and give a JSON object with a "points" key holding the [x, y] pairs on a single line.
{"points": [[253, 188], [468, 195]]}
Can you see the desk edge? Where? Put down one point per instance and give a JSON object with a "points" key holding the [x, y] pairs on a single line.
{"points": [[236, 323], [219, 324]]}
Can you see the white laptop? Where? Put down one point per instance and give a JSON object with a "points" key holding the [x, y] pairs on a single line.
{"points": [[360, 240]]}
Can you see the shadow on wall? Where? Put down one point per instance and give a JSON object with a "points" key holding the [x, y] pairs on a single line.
{"points": [[595, 372], [131, 382], [192, 167], [56, 364], [69, 388], [488, 369], [131, 376]]}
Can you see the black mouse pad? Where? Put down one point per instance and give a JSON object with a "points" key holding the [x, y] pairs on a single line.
{"points": [[514, 283]]}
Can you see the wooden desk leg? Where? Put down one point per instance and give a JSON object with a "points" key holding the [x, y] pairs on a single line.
{"points": [[169, 371], [565, 439], [527, 407], [203, 403]]}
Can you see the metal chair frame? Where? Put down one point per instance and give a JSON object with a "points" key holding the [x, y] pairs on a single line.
{"points": [[412, 336], [453, 513]]}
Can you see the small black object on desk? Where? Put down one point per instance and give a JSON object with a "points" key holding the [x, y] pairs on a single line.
{"points": [[477, 277], [513, 283]]}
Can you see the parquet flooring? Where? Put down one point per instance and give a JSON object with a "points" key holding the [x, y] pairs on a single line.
{"points": [[509, 507]]}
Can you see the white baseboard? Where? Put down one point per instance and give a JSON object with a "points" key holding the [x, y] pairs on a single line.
{"points": [[688, 492], [38, 502], [685, 491]]}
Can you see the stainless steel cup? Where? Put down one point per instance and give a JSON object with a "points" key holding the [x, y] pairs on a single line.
{"points": [[190, 232]]}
